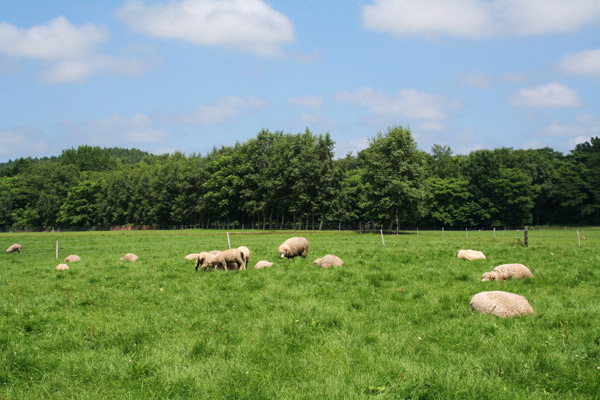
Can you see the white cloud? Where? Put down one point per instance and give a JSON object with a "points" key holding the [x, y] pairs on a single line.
{"points": [[427, 17], [220, 111], [116, 130], [353, 146], [585, 125], [306, 101], [68, 50], [584, 63], [479, 18], [408, 103], [250, 25], [24, 142], [550, 95]]}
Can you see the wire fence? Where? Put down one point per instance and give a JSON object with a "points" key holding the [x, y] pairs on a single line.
{"points": [[63, 243]]}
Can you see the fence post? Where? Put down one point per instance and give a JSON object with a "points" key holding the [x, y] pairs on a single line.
{"points": [[57, 249], [494, 234], [228, 242], [382, 240], [578, 239], [526, 236], [467, 231]]}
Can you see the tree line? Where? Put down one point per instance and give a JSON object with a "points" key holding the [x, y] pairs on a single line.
{"points": [[279, 180]]}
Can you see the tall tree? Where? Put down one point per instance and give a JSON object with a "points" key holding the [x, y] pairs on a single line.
{"points": [[394, 172]]}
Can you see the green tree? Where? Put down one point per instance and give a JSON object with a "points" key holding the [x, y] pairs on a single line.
{"points": [[394, 172]]}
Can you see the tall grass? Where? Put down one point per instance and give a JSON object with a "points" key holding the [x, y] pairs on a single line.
{"points": [[393, 322]]}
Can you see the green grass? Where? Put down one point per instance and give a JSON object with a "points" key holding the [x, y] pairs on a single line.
{"points": [[393, 322]]}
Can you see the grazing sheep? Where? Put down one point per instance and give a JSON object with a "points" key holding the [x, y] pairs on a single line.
{"points": [[246, 252], [502, 304], [293, 247], [505, 271], [263, 264], [214, 252], [329, 261], [471, 255], [192, 256], [72, 258], [230, 257], [129, 257], [14, 247], [62, 267]]}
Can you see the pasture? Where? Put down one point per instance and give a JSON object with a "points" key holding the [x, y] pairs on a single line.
{"points": [[393, 322]]}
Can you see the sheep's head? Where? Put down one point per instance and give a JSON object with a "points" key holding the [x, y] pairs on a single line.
{"points": [[284, 250], [488, 276], [317, 261]]}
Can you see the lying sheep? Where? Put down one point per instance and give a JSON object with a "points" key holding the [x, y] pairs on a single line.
{"points": [[293, 247], [129, 257], [230, 257], [62, 267], [502, 304], [246, 252], [14, 247], [263, 264], [506, 271], [329, 261], [72, 258], [471, 255]]}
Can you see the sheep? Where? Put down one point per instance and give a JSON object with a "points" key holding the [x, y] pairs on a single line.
{"points": [[62, 267], [192, 256], [72, 258], [246, 252], [14, 247], [230, 257], [263, 264], [505, 271], [501, 304], [293, 247], [471, 255], [129, 257], [329, 261], [214, 252]]}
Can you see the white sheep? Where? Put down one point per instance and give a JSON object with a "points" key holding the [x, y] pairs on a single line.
{"points": [[14, 247], [192, 256], [72, 258], [263, 264], [246, 252], [230, 257], [502, 304], [293, 247], [329, 261], [62, 267], [129, 257], [506, 271], [471, 255]]}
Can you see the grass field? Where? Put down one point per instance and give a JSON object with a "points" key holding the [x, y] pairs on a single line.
{"points": [[393, 322]]}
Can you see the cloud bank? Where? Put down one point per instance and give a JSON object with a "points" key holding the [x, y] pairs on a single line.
{"points": [[249, 25], [69, 52], [479, 18]]}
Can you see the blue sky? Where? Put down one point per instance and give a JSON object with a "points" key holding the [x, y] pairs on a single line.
{"points": [[188, 75]]}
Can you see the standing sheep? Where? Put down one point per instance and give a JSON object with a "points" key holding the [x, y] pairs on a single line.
{"points": [[471, 255], [505, 271], [329, 261], [246, 252], [293, 247], [192, 256], [502, 304], [14, 247], [231, 257]]}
